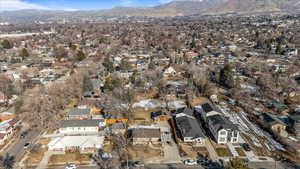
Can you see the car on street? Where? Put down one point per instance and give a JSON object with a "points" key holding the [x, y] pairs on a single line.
{"points": [[139, 164], [26, 145], [24, 134], [246, 147], [71, 166], [190, 162]]}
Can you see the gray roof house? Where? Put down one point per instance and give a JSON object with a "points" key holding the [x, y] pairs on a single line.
{"points": [[78, 113], [222, 129], [189, 128], [80, 126]]}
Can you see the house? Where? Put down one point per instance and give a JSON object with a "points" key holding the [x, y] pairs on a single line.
{"points": [[91, 95], [222, 130], [274, 124], [169, 72], [80, 126], [290, 52], [84, 144], [7, 129], [3, 98], [159, 116], [79, 114], [118, 128], [145, 135], [189, 128], [6, 116]]}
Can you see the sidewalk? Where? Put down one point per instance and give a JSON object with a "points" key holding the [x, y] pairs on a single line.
{"points": [[44, 162], [232, 150], [212, 153]]}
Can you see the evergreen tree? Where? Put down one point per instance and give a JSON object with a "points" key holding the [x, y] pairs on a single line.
{"points": [[80, 55], [24, 53], [108, 64], [6, 44]]}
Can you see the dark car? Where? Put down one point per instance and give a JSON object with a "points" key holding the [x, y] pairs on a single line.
{"points": [[26, 145], [246, 147], [129, 164], [24, 134]]}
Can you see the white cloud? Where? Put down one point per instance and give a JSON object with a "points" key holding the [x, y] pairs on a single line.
{"points": [[17, 5]]}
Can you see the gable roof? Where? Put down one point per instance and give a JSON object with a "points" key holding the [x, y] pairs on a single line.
{"points": [[219, 122], [185, 110], [80, 123], [189, 127], [145, 133], [77, 111]]}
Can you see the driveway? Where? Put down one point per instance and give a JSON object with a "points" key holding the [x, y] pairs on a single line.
{"points": [[171, 153]]}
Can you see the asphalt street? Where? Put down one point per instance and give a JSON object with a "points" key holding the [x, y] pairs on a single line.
{"points": [[152, 166], [17, 148]]}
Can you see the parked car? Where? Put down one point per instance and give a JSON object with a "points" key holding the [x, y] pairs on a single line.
{"points": [[24, 134], [139, 164], [190, 162], [246, 147], [71, 166], [129, 164], [26, 145]]}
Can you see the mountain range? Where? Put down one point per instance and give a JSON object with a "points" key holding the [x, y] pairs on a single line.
{"points": [[172, 9]]}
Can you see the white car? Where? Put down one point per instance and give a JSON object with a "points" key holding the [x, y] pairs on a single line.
{"points": [[71, 166], [190, 162]]}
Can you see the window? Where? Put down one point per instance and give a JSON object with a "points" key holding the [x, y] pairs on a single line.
{"points": [[223, 133], [235, 134], [222, 140]]}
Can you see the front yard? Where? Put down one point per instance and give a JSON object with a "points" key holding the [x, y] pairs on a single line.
{"points": [[223, 152], [141, 152], [75, 157], [35, 157]]}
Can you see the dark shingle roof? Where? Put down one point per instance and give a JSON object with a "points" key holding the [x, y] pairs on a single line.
{"points": [[219, 122], [207, 107], [189, 127]]}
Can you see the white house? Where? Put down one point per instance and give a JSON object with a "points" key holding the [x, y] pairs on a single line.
{"points": [[170, 71], [76, 143], [80, 126], [222, 130]]}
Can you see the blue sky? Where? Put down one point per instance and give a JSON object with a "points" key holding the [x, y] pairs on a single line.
{"points": [[75, 4]]}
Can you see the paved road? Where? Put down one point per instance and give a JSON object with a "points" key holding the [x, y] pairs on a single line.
{"points": [[17, 148], [154, 166]]}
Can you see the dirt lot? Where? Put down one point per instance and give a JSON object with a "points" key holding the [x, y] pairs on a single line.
{"points": [[191, 151], [34, 158], [69, 158], [141, 152]]}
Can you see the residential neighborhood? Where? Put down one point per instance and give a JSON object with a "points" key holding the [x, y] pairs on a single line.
{"points": [[208, 92]]}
